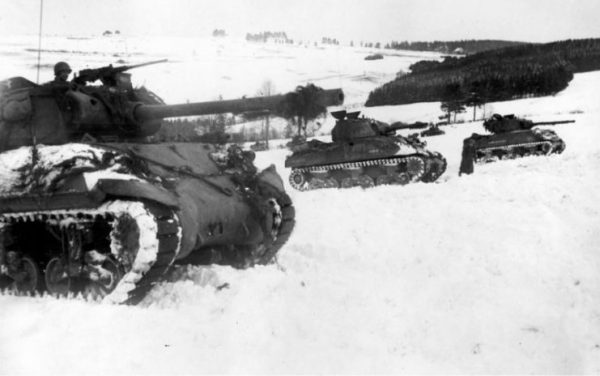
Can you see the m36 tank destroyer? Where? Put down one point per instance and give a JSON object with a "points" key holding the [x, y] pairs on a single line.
{"points": [[363, 152], [89, 206], [511, 137]]}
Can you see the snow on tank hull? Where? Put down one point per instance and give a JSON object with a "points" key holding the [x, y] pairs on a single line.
{"points": [[515, 144], [108, 220], [364, 162]]}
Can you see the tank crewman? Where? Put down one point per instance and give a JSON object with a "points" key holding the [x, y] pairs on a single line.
{"points": [[468, 156], [61, 72], [61, 84]]}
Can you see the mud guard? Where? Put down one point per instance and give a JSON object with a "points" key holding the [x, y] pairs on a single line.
{"points": [[137, 190], [268, 178]]}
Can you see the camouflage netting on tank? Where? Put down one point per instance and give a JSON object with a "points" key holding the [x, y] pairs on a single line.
{"points": [[302, 103], [508, 123], [56, 164]]}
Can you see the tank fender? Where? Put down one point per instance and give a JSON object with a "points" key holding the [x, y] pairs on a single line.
{"points": [[269, 178], [137, 190]]}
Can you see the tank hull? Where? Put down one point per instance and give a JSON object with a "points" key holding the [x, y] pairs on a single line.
{"points": [[432, 132], [363, 162], [516, 144], [110, 219]]}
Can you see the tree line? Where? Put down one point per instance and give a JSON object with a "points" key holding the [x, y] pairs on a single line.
{"points": [[268, 35], [219, 33], [459, 46], [216, 129], [495, 75], [327, 40]]}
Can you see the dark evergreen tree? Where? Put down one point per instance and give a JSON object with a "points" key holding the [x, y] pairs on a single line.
{"points": [[474, 99], [508, 73]]}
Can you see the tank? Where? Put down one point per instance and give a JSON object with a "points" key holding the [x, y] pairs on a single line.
{"points": [[363, 152], [511, 137], [433, 130], [89, 205], [259, 146]]}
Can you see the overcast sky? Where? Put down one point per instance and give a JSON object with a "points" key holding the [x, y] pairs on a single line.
{"points": [[368, 20]]}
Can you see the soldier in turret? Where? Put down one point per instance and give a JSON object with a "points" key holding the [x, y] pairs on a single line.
{"points": [[61, 84], [61, 72]]}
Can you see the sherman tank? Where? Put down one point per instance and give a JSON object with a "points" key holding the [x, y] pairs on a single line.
{"points": [[89, 205], [433, 130], [511, 137], [364, 152]]}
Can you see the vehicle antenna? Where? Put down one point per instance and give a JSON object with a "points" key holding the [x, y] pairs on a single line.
{"points": [[34, 150], [40, 42]]}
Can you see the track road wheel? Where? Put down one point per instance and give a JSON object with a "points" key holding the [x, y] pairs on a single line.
{"points": [[365, 181], [104, 277], [384, 180], [347, 183], [415, 167], [315, 183], [546, 148], [402, 178], [298, 180], [331, 183], [435, 168], [57, 277], [29, 278]]}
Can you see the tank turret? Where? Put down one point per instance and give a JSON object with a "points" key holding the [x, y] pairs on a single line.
{"points": [[510, 123], [60, 113], [432, 130], [89, 206], [511, 137], [363, 152], [350, 125]]}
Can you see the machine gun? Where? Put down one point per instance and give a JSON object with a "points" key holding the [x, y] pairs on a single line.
{"points": [[109, 75], [509, 123]]}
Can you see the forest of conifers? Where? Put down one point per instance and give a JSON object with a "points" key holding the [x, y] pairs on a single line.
{"points": [[466, 47], [495, 75]]}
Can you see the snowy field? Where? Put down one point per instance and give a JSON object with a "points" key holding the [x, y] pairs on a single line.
{"points": [[496, 272]]}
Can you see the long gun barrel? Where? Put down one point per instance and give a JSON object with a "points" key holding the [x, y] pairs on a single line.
{"points": [[400, 125], [142, 112], [554, 122]]}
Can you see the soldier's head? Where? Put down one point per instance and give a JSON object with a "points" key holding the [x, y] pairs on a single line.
{"points": [[62, 71]]}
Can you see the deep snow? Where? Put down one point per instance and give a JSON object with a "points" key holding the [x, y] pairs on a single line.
{"points": [[496, 272]]}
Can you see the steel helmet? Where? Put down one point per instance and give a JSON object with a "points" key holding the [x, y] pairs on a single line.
{"points": [[60, 67]]}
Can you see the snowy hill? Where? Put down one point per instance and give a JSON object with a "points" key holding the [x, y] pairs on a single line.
{"points": [[496, 272]]}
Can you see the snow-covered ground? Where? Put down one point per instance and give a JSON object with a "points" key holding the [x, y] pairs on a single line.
{"points": [[496, 272], [204, 69]]}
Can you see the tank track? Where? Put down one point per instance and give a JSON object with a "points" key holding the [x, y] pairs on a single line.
{"points": [[491, 154], [368, 173], [277, 227], [152, 230], [283, 223], [143, 241]]}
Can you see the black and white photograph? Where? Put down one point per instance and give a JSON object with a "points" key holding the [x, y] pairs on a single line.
{"points": [[299, 187]]}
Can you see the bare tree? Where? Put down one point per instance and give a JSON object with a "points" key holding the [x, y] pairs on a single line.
{"points": [[266, 89]]}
